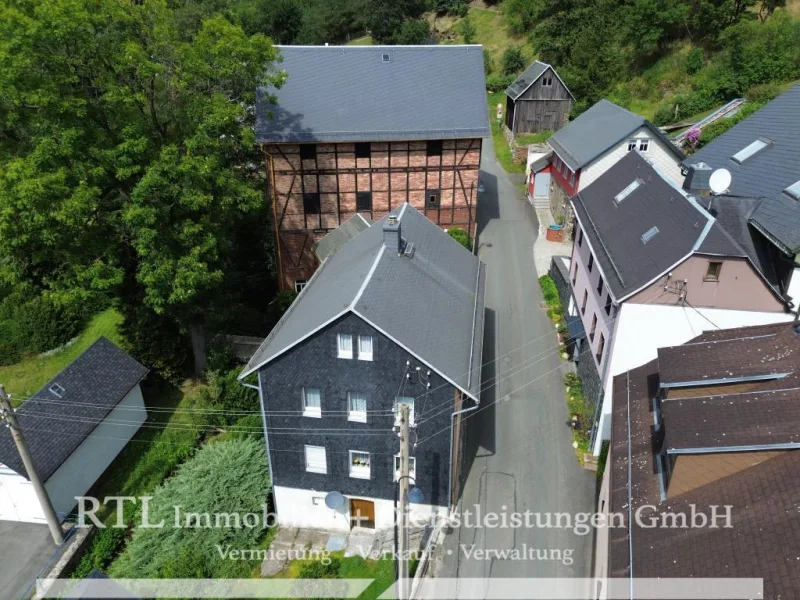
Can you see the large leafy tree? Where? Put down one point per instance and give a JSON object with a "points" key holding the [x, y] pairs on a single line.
{"points": [[127, 157]]}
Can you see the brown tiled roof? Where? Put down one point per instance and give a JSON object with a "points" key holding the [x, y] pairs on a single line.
{"points": [[732, 353], [765, 498]]}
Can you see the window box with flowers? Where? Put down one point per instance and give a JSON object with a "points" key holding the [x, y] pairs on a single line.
{"points": [[359, 465]]}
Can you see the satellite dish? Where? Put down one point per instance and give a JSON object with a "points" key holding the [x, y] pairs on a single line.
{"points": [[334, 500], [720, 181]]}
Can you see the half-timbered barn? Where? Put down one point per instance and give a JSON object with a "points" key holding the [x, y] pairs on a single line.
{"points": [[537, 101], [365, 129]]}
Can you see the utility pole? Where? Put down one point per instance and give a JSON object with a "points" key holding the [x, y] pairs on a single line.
{"points": [[7, 414], [403, 583]]}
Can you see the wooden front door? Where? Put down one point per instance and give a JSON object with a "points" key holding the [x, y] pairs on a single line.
{"points": [[362, 513]]}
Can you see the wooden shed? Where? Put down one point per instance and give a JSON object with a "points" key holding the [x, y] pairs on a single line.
{"points": [[538, 101]]}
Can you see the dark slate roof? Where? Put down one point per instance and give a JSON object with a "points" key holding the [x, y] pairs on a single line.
{"points": [[615, 230], [334, 240], [94, 383], [348, 93], [529, 77], [764, 541], [734, 234], [602, 126], [430, 303], [767, 173]]}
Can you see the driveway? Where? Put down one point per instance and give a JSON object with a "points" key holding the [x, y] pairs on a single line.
{"points": [[26, 549], [519, 445]]}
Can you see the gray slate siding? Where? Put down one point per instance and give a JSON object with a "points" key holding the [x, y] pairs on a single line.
{"points": [[314, 363]]}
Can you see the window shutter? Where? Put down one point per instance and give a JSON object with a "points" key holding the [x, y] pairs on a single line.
{"points": [[316, 459]]}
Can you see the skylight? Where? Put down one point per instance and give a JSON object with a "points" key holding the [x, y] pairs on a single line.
{"points": [[386, 58], [794, 190], [649, 234], [57, 390], [750, 150], [627, 191]]}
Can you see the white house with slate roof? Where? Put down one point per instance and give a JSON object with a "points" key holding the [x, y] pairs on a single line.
{"points": [[74, 426]]}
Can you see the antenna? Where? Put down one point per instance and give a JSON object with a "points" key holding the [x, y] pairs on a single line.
{"points": [[720, 181]]}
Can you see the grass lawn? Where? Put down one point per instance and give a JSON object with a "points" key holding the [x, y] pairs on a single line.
{"points": [[365, 40], [501, 147], [354, 567], [490, 31], [30, 374]]}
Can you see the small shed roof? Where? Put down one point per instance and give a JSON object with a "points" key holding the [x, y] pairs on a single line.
{"points": [[375, 93], [529, 77], [329, 244], [61, 415]]}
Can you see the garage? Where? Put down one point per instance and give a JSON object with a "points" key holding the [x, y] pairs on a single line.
{"points": [[74, 427]]}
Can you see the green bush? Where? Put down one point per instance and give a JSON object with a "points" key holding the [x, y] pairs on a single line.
{"points": [[694, 61], [317, 569], [498, 83], [467, 30], [513, 61], [763, 92], [104, 549], [225, 392], [249, 427], [225, 477], [460, 236], [549, 290], [279, 305], [488, 63]]}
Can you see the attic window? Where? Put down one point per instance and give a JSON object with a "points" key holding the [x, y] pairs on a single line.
{"points": [[632, 187], [547, 81], [649, 234], [793, 190], [750, 150], [386, 58], [57, 390]]}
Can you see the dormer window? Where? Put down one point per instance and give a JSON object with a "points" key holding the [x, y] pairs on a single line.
{"points": [[632, 187], [750, 150], [793, 190], [649, 234]]}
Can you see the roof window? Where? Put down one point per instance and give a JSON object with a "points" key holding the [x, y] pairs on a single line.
{"points": [[793, 190], [627, 191], [649, 234], [57, 390], [750, 150], [386, 58]]}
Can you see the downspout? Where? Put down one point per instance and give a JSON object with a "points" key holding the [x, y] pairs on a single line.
{"points": [[452, 427], [264, 423], [274, 197]]}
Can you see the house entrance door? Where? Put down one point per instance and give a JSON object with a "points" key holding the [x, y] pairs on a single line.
{"points": [[362, 513]]}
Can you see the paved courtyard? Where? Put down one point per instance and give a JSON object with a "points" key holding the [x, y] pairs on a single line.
{"points": [[26, 549]]}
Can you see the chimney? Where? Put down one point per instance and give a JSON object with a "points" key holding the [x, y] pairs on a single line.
{"points": [[391, 235]]}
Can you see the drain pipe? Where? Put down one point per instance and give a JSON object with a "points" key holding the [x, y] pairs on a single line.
{"points": [[264, 423], [452, 427]]}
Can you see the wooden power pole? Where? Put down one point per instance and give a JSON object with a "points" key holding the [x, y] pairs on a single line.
{"points": [[403, 582], [7, 413]]}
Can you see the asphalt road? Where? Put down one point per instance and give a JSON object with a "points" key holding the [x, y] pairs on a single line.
{"points": [[519, 445]]}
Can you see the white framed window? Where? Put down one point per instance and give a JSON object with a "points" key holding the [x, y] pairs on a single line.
{"points": [[403, 400], [644, 144], [57, 390], [316, 459], [359, 464], [412, 468], [345, 341], [572, 177], [299, 284], [356, 407], [365, 347], [312, 403]]}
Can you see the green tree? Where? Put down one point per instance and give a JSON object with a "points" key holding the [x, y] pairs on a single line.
{"points": [[387, 17], [513, 61], [413, 32], [128, 156], [467, 30]]}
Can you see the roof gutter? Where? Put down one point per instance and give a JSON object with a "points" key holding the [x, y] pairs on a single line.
{"points": [[721, 449], [723, 380], [452, 428], [573, 201]]}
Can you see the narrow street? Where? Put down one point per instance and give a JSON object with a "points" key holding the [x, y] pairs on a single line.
{"points": [[520, 455]]}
